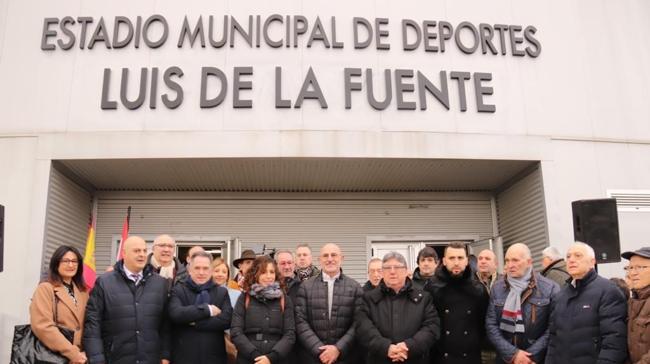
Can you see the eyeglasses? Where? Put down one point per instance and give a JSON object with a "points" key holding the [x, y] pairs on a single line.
{"points": [[636, 268], [393, 267], [69, 261], [371, 271], [333, 255]]}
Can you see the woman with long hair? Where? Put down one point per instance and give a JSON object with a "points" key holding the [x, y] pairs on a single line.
{"points": [[262, 326], [64, 293], [221, 276]]}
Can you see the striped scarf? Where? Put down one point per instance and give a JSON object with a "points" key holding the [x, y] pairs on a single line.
{"points": [[511, 318]]}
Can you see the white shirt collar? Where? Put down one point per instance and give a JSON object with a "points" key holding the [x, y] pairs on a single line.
{"points": [[326, 277], [129, 273]]}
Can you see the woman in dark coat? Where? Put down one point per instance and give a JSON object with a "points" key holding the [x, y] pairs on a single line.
{"points": [[397, 321], [200, 311], [262, 326]]}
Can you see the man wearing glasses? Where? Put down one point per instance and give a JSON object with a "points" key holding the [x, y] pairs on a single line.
{"points": [[397, 322], [164, 262], [588, 315], [638, 325], [325, 312]]}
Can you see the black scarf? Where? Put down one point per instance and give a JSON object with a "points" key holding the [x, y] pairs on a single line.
{"points": [[203, 296]]}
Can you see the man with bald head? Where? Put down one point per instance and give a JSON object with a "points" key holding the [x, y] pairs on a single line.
{"points": [[164, 261], [126, 313], [520, 306], [325, 307], [588, 320]]}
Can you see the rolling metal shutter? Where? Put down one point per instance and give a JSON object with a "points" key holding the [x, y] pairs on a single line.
{"points": [[68, 211], [284, 221], [522, 214]]}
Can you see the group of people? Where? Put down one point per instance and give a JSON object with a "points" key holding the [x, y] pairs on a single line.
{"points": [[153, 308]]}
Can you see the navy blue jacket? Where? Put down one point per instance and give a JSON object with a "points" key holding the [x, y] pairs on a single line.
{"points": [[126, 323], [588, 323], [536, 311], [197, 336]]}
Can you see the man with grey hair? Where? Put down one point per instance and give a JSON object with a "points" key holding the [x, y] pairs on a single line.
{"points": [[164, 261], [374, 274], [286, 266], [200, 311], [520, 305], [554, 266], [588, 320], [393, 335]]}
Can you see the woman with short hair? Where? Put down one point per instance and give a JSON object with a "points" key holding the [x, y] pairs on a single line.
{"points": [[262, 326], [65, 296]]}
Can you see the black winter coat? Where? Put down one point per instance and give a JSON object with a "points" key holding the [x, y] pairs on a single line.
{"points": [[313, 327], [461, 303], [367, 286], [126, 323], [386, 318], [198, 337], [418, 280], [588, 323], [263, 328]]}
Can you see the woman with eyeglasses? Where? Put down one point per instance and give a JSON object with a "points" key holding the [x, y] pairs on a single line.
{"points": [[64, 293], [262, 326]]}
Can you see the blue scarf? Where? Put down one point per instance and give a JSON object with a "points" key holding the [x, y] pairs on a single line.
{"points": [[512, 319], [270, 292], [202, 290]]}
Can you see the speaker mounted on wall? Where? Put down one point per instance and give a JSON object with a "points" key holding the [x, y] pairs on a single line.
{"points": [[595, 222]]}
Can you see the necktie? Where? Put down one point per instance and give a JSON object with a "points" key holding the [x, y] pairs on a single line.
{"points": [[136, 278]]}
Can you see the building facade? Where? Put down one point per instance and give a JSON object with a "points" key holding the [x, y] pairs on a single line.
{"points": [[373, 124]]}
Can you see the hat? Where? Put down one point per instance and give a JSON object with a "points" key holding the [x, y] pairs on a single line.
{"points": [[245, 255], [643, 252]]}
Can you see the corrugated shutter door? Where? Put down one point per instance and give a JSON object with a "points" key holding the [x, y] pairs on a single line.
{"points": [[284, 223], [522, 215], [68, 210]]}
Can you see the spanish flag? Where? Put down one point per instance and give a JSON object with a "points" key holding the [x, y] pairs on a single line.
{"points": [[90, 271]]}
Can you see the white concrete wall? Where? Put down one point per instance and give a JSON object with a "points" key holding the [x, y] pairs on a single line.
{"points": [[585, 170], [23, 192]]}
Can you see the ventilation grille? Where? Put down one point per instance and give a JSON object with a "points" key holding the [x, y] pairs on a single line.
{"points": [[631, 200]]}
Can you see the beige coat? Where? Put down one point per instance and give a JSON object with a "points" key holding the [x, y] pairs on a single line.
{"points": [[71, 316]]}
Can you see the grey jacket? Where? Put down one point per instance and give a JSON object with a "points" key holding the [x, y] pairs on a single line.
{"points": [[556, 272]]}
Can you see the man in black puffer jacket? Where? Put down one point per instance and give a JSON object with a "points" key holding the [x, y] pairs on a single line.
{"points": [[588, 318], [126, 313], [461, 302], [325, 312]]}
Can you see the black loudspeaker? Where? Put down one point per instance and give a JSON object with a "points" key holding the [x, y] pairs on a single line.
{"points": [[2, 237], [595, 222]]}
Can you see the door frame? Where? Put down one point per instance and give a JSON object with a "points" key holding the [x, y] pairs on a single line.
{"points": [[181, 240], [423, 239]]}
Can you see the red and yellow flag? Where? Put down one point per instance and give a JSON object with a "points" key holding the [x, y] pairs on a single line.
{"points": [[90, 271]]}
